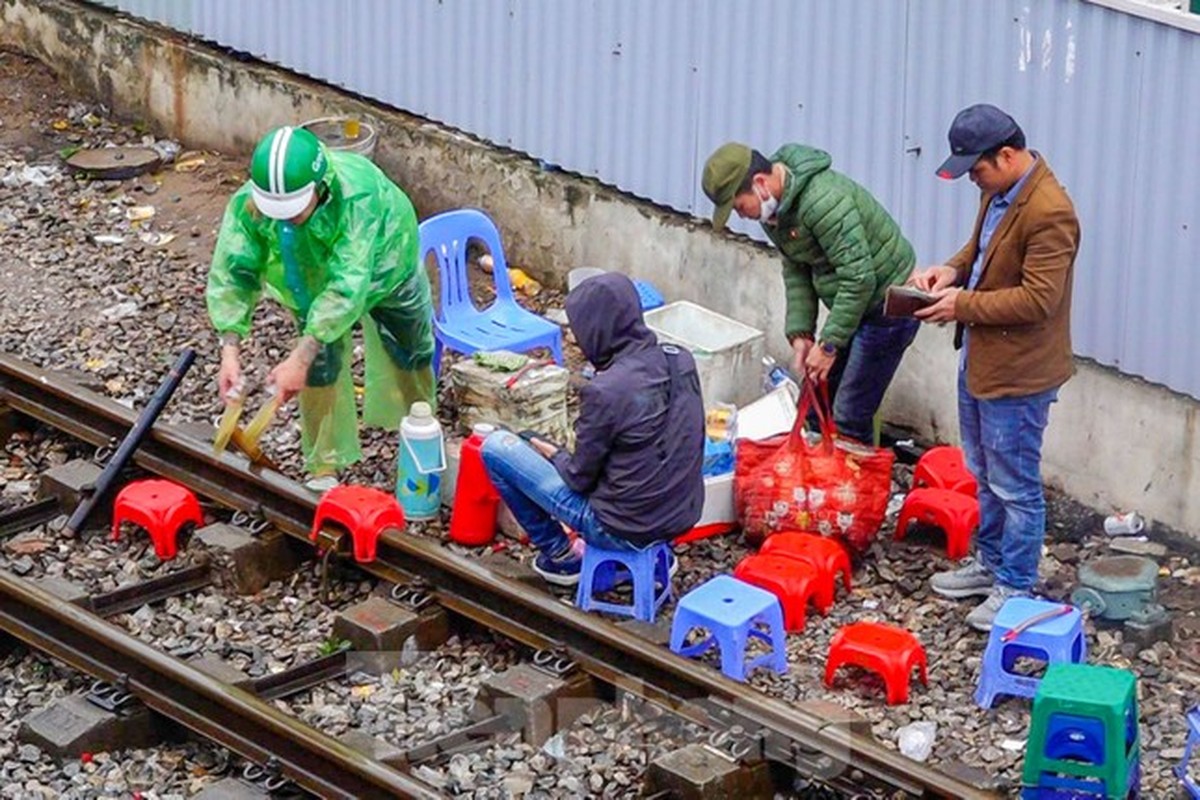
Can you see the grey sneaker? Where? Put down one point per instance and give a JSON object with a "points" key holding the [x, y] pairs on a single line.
{"points": [[971, 578], [984, 614]]}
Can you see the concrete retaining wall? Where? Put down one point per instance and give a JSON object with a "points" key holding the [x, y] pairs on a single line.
{"points": [[1112, 442]]}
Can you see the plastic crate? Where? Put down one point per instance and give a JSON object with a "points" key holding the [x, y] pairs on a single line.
{"points": [[728, 353]]}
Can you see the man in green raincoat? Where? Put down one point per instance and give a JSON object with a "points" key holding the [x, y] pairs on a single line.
{"points": [[332, 239]]}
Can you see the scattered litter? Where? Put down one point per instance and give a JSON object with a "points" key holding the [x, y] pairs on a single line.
{"points": [[487, 263], [556, 315], [189, 162], [108, 238], [156, 238], [555, 746], [522, 282], [139, 213], [1013, 745], [167, 150], [1127, 524], [60, 124], [870, 604], [895, 503], [30, 176], [916, 739], [129, 308]]}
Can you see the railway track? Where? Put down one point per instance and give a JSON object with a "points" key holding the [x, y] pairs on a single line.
{"points": [[748, 724]]}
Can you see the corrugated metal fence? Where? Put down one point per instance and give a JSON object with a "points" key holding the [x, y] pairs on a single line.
{"points": [[638, 93]]}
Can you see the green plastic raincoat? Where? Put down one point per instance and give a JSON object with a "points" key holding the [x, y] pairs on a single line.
{"points": [[354, 261]]}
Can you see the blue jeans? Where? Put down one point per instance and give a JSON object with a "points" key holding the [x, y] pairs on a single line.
{"points": [[1002, 440], [863, 370], [538, 498]]}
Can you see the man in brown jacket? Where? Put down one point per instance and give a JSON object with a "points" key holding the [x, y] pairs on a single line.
{"points": [[1009, 291]]}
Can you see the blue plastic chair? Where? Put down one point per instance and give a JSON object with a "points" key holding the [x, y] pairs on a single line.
{"points": [[458, 324], [1059, 639], [649, 569]]}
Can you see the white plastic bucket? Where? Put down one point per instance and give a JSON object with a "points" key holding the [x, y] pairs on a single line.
{"points": [[349, 134], [581, 274]]}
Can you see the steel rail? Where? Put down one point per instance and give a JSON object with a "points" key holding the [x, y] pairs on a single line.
{"points": [[214, 710], [811, 744]]}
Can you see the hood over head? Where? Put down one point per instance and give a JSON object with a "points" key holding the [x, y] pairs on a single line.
{"points": [[606, 318]]}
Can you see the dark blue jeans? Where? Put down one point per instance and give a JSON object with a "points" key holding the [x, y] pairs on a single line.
{"points": [[863, 370], [538, 498], [1002, 440]]}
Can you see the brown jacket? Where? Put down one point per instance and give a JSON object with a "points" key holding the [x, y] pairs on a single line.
{"points": [[1019, 314]]}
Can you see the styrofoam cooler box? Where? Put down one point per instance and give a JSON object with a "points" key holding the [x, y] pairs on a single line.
{"points": [[728, 353], [718, 500]]}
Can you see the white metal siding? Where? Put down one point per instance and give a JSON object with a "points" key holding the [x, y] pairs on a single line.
{"points": [[638, 92]]}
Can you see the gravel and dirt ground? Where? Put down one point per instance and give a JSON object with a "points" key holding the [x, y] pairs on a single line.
{"points": [[95, 288]]}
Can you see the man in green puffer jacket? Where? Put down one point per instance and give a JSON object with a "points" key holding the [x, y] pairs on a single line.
{"points": [[839, 245]]}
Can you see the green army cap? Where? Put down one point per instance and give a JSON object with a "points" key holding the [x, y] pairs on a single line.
{"points": [[724, 173]]}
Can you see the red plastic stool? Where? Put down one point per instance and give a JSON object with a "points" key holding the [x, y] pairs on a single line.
{"points": [[826, 555], [955, 513], [161, 507], [362, 511], [889, 651], [944, 467], [791, 580]]}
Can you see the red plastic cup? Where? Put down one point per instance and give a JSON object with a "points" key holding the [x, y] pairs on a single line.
{"points": [[476, 501]]}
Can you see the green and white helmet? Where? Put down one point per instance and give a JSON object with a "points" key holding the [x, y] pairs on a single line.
{"points": [[285, 169]]}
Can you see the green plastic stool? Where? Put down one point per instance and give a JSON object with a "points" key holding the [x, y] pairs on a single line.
{"points": [[1089, 697]]}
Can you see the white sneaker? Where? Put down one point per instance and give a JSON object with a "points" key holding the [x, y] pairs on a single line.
{"points": [[984, 614], [322, 484], [971, 578]]}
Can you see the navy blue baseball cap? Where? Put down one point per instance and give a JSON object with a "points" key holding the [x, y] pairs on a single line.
{"points": [[975, 130]]}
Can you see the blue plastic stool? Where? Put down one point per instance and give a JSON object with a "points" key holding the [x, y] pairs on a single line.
{"points": [[1056, 640], [1193, 740], [729, 609], [649, 569], [648, 296]]}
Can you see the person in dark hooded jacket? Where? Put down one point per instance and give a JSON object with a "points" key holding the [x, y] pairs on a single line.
{"points": [[635, 475]]}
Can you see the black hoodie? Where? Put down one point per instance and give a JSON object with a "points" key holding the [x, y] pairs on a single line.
{"points": [[639, 439]]}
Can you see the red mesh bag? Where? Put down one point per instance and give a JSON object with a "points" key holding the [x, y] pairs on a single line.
{"points": [[815, 483]]}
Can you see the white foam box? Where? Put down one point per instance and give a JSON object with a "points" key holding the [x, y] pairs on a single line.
{"points": [[728, 353], [718, 500]]}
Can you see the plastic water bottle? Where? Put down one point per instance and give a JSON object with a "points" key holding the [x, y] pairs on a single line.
{"points": [[774, 375], [421, 461], [476, 501]]}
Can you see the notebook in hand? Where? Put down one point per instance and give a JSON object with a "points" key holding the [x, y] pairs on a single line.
{"points": [[902, 301]]}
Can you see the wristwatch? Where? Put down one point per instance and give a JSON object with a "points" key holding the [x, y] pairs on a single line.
{"points": [[829, 348]]}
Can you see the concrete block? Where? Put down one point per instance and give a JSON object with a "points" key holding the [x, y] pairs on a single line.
{"points": [[64, 589], [508, 567], [372, 747], [382, 633], [1145, 633], [696, 772], [657, 632], [232, 789], [67, 483], [72, 726], [837, 716], [216, 667], [252, 561], [535, 703]]}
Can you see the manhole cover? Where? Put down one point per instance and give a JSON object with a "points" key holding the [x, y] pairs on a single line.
{"points": [[114, 163]]}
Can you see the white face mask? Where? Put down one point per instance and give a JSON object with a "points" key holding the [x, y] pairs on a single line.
{"points": [[767, 208]]}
